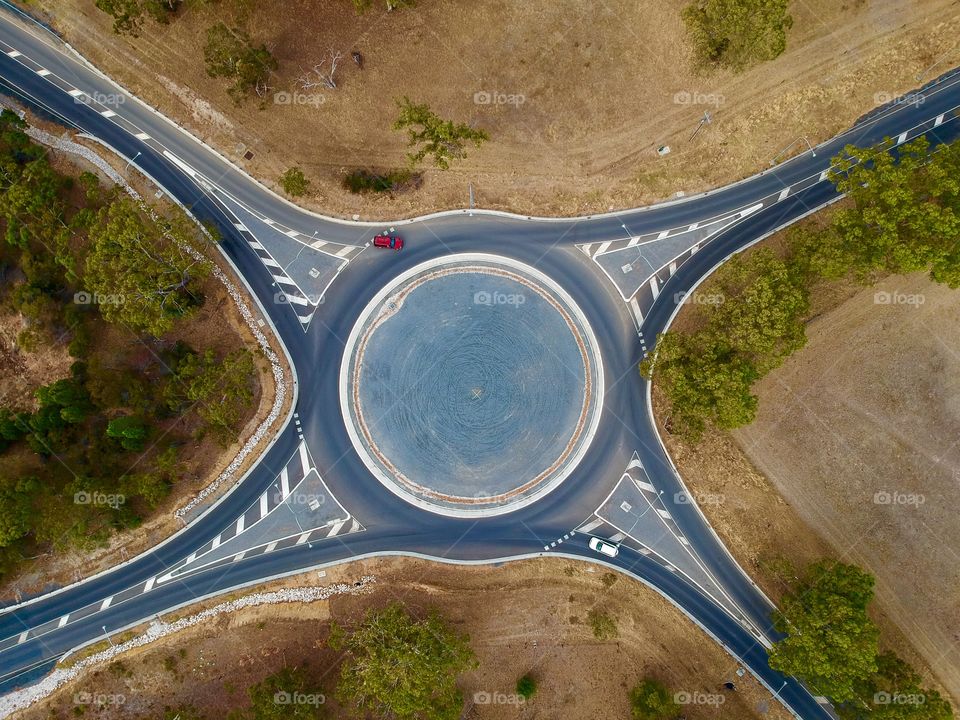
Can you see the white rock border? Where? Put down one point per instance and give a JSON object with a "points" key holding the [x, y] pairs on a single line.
{"points": [[65, 145], [23, 698]]}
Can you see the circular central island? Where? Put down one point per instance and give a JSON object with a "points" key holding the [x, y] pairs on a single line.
{"points": [[471, 385]]}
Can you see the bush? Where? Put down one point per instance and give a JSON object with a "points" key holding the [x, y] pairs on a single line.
{"points": [[294, 182], [603, 624], [526, 687], [735, 34], [651, 700], [361, 181]]}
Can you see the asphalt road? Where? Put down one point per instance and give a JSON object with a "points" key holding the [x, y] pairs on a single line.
{"points": [[41, 630]]}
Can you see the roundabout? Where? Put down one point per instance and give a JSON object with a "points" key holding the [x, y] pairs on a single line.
{"points": [[471, 385]]}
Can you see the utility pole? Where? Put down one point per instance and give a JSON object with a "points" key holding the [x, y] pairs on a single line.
{"points": [[705, 120]]}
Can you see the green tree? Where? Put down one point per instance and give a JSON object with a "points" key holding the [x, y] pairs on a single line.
{"points": [[527, 686], [403, 668], [831, 642], [286, 695], [894, 692], [294, 182], [905, 215], [140, 271], [128, 14], [442, 140], [130, 430], [217, 389], [230, 53], [735, 34], [16, 508], [651, 700]]}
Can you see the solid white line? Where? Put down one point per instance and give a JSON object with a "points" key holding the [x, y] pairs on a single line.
{"points": [[304, 458], [284, 483], [106, 603]]}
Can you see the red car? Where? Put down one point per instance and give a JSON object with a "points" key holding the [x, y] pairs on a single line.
{"points": [[391, 243]]}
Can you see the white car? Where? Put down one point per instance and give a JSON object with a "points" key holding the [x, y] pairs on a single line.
{"points": [[604, 548]]}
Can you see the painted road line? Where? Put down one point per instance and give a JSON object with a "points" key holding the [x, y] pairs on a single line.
{"points": [[286, 280], [239, 556], [664, 514], [355, 526], [63, 621], [216, 543], [635, 309], [634, 462], [270, 262], [43, 72], [662, 234], [106, 603], [344, 251], [823, 176], [303, 538], [901, 138], [672, 269], [190, 558], [617, 537], [142, 136], [284, 483], [243, 228], [241, 521], [939, 121], [634, 242], [644, 486], [683, 540], [593, 524], [693, 227], [263, 505], [23, 637], [654, 287], [108, 113], [149, 585], [14, 53], [586, 249], [603, 247], [304, 458], [783, 194], [75, 93], [292, 234]]}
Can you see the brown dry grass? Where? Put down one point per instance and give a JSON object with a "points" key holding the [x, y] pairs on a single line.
{"points": [[522, 617], [598, 80], [870, 405]]}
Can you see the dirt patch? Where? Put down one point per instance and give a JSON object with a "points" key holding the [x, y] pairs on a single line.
{"points": [[854, 455], [576, 97], [521, 617]]}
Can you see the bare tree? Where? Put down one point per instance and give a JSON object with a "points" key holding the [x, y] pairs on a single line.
{"points": [[322, 74]]}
